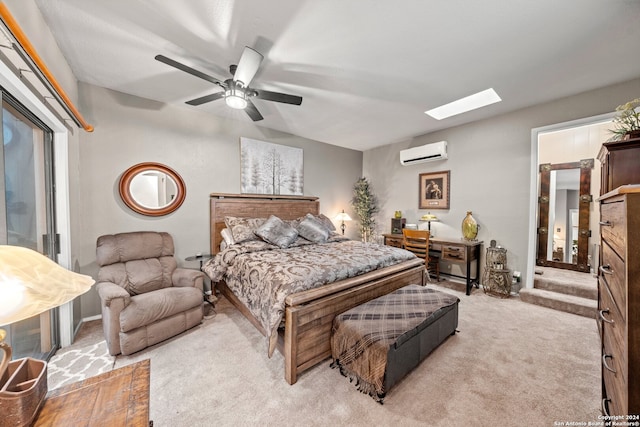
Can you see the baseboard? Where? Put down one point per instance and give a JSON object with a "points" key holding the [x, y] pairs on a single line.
{"points": [[90, 318], [83, 320]]}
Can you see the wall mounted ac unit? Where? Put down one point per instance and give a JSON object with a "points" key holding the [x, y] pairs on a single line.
{"points": [[425, 153]]}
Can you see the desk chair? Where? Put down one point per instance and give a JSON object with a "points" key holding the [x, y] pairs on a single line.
{"points": [[417, 241]]}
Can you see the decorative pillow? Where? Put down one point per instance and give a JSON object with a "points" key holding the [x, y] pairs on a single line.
{"points": [[312, 229], [227, 236], [294, 222], [243, 229], [277, 232], [327, 222]]}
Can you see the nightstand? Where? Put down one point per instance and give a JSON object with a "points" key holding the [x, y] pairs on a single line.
{"points": [[211, 299], [199, 257]]}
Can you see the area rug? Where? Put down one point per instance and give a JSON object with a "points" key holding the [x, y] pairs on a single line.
{"points": [[75, 364]]}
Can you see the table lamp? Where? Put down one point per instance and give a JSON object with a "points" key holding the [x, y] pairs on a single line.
{"points": [[429, 218], [342, 216], [30, 284]]}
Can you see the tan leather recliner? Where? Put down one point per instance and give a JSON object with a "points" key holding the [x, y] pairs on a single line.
{"points": [[145, 298]]}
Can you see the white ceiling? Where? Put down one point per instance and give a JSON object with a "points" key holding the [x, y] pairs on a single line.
{"points": [[367, 69]]}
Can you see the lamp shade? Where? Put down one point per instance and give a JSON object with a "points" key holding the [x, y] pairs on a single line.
{"points": [[31, 283], [342, 216], [429, 217]]}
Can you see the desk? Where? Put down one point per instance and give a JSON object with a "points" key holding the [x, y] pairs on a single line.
{"points": [[452, 250], [115, 398]]}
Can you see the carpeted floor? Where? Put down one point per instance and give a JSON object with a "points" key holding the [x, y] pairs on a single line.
{"points": [[511, 364], [566, 276]]}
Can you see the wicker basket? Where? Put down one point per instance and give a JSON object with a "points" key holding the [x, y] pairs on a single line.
{"points": [[23, 388]]}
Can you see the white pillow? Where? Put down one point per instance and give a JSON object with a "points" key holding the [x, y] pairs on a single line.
{"points": [[227, 236]]}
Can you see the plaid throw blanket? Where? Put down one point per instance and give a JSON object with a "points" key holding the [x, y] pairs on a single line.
{"points": [[362, 336]]}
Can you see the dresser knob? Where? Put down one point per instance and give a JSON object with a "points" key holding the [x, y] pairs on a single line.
{"points": [[604, 362], [602, 312]]}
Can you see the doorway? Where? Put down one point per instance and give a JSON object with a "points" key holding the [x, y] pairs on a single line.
{"points": [[565, 143], [27, 212]]}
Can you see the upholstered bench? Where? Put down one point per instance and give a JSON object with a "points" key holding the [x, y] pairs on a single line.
{"points": [[379, 342]]}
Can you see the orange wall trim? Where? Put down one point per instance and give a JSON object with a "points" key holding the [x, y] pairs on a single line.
{"points": [[22, 39]]}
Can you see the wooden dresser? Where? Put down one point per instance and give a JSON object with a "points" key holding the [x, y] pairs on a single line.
{"points": [[619, 300]]}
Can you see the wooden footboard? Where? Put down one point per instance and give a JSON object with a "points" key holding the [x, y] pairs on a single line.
{"points": [[307, 331], [305, 340]]}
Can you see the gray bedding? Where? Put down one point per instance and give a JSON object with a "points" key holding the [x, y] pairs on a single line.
{"points": [[262, 275]]}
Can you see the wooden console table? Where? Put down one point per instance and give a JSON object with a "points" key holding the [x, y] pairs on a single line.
{"points": [[115, 398], [452, 250]]}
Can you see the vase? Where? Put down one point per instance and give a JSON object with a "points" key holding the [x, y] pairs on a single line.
{"points": [[469, 227]]}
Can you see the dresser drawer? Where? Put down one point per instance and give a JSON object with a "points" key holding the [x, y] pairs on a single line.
{"points": [[613, 226], [612, 270], [610, 319], [614, 382], [393, 241], [614, 356], [616, 402], [454, 253]]}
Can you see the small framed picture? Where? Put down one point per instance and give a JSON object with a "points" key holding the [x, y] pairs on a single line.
{"points": [[434, 190]]}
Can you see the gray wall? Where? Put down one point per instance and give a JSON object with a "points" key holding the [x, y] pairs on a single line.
{"points": [[490, 164], [203, 149]]}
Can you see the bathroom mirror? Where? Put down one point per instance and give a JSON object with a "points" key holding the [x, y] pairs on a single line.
{"points": [[152, 189], [563, 215]]}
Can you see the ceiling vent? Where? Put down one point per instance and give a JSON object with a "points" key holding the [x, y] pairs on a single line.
{"points": [[424, 153]]}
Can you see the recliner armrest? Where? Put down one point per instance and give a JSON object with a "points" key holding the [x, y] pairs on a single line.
{"points": [[185, 277], [109, 291]]}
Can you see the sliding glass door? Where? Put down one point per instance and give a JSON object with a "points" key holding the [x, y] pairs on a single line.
{"points": [[26, 212]]}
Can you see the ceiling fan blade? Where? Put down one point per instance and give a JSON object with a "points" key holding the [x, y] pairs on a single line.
{"points": [[187, 69], [206, 98], [253, 112], [278, 97], [248, 66]]}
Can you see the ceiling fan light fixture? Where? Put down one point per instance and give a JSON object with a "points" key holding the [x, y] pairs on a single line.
{"points": [[236, 102], [235, 98]]}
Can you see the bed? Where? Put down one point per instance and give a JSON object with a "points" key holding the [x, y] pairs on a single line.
{"points": [[304, 336]]}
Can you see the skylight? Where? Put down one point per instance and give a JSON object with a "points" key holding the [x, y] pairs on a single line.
{"points": [[462, 105]]}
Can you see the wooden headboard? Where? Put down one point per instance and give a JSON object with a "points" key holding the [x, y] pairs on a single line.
{"points": [[255, 206]]}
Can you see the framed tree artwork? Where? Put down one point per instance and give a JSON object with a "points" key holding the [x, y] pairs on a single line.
{"points": [[434, 190], [268, 168]]}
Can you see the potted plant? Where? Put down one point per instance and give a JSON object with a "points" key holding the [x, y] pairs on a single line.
{"points": [[365, 205], [626, 121]]}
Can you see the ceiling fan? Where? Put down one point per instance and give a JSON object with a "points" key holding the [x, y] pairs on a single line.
{"points": [[236, 91]]}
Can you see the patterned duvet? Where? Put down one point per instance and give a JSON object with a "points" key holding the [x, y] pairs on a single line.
{"points": [[262, 275]]}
